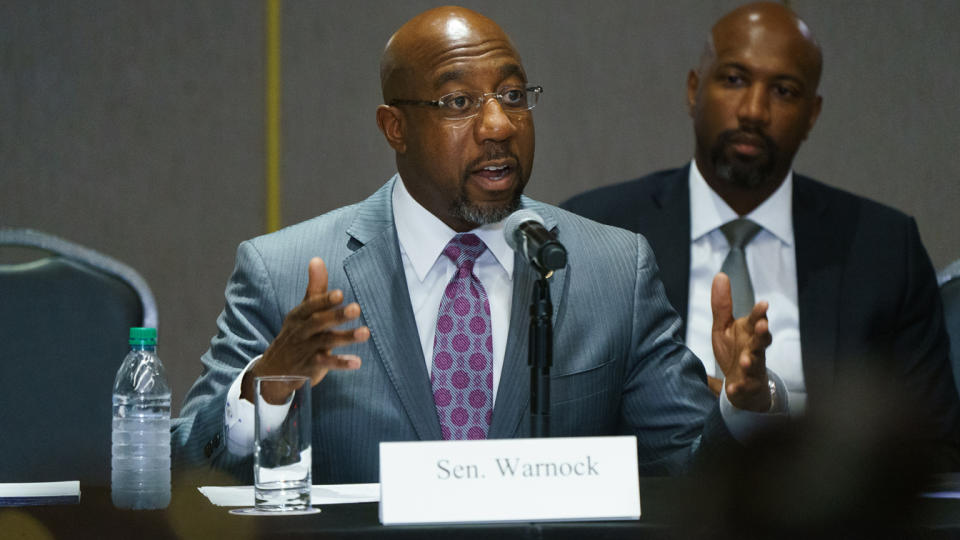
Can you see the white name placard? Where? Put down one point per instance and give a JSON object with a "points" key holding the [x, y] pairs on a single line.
{"points": [[551, 479]]}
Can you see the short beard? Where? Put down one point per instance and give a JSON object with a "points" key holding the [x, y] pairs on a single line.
{"points": [[463, 208], [743, 173], [471, 212]]}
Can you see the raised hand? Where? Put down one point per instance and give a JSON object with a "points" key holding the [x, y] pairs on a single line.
{"points": [[739, 347], [305, 343]]}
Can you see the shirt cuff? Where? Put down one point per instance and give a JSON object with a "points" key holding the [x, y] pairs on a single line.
{"points": [[744, 424], [238, 417]]}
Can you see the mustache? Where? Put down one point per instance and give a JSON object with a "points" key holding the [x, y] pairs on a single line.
{"points": [[492, 152], [732, 136]]}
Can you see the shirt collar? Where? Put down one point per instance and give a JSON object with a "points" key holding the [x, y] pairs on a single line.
{"points": [[708, 211], [423, 236]]}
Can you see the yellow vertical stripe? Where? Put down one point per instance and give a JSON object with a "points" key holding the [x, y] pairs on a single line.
{"points": [[272, 113]]}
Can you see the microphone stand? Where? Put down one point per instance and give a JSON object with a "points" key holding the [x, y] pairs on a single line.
{"points": [[540, 356]]}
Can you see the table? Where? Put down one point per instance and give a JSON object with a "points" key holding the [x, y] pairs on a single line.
{"points": [[669, 507]]}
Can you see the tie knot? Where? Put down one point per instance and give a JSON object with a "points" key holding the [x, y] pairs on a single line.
{"points": [[739, 232], [463, 249]]}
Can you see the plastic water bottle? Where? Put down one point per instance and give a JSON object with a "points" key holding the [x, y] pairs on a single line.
{"points": [[140, 467]]}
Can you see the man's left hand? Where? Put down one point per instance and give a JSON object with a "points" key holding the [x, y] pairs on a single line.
{"points": [[739, 347]]}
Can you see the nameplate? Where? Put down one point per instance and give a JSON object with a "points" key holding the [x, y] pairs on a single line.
{"points": [[552, 479]]}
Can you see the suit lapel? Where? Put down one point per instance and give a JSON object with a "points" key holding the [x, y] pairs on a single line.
{"points": [[667, 228], [513, 392], [375, 272], [820, 256]]}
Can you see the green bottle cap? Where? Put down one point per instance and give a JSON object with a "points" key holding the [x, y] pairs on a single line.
{"points": [[143, 336]]}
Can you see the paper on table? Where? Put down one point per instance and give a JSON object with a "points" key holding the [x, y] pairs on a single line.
{"points": [[941, 495], [943, 486], [40, 493], [325, 494]]}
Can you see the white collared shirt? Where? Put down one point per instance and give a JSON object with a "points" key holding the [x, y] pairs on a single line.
{"points": [[422, 238], [772, 263]]}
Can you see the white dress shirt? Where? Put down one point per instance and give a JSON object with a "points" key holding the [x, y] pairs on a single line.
{"points": [[772, 263], [422, 238]]}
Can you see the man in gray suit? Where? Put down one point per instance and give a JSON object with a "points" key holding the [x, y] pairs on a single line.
{"points": [[457, 114]]}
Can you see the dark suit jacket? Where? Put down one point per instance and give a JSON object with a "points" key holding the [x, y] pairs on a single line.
{"points": [[869, 303], [619, 364]]}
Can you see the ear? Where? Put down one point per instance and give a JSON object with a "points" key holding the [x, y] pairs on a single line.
{"points": [[390, 120], [693, 84]]}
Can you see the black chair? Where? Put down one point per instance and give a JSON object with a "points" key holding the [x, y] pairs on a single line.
{"points": [[64, 320], [949, 279]]}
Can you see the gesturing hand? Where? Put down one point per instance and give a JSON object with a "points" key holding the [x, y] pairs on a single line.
{"points": [[739, 346], [306, 340]]}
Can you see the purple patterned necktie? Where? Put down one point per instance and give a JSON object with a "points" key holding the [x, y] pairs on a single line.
{"points": [[462, 376]]}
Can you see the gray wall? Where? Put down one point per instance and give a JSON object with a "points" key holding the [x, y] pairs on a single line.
{"points": [[136, 128]]}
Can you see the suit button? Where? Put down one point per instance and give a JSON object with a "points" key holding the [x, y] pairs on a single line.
{"points": [[216, 441], [208, 449]]}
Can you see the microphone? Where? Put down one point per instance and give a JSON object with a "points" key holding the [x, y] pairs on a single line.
{"points": [[525, 234]]}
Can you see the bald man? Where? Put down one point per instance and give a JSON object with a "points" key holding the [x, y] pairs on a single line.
{"points": [[852, 293], [408, 310]]}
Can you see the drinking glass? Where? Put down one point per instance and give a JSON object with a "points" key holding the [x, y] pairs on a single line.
{"points": [[281, 455]]}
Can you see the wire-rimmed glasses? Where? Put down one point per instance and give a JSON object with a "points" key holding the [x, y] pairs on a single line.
{"points": [[463, 104]]}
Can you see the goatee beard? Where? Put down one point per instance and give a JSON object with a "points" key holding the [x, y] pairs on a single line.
{"points": [[471, 212], [744, 173]]}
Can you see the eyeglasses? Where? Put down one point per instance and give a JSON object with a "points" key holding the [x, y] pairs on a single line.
{"points": [[461, 105]]}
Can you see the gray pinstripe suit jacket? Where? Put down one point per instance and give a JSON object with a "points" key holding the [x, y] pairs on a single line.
{"points": [[619, 365]]}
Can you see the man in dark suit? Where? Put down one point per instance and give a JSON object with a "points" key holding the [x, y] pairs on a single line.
{"points": [[363, 322], [853, 295]]}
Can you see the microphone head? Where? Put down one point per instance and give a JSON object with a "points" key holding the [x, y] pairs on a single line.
{"points": [[513, 222], [553, 256]]}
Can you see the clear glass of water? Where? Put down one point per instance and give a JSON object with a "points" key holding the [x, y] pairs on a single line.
{"points": [[281, 455]]}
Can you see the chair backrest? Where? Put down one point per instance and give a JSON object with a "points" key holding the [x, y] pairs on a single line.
{"points": [[949, 279], [64, 320]]}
